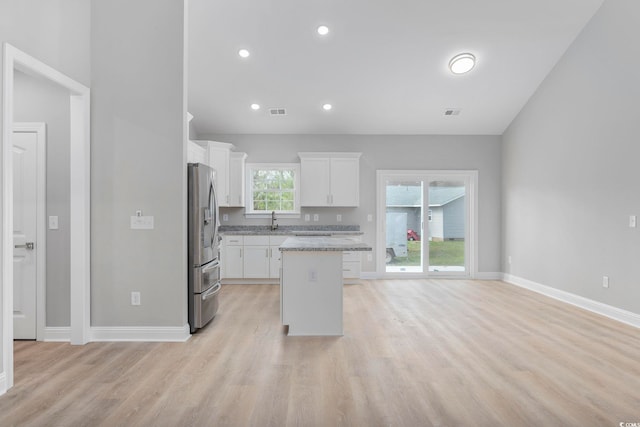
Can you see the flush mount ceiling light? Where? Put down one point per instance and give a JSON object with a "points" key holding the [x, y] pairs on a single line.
{"points": [[244, 53], [327, 107], [323, 30], [255, 107], [462, 63]]}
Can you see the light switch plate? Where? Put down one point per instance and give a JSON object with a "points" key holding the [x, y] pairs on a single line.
{"points": [[632, 221], [307, 217], [53, 222], [142, 222], [316, 217], [369, 217], [339, 218], [225, 217]]}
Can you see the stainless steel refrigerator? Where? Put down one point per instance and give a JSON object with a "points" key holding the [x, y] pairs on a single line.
{"points": [[204, 246]]}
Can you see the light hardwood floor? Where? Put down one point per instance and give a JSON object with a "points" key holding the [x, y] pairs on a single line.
{"points": [[414, 353]]}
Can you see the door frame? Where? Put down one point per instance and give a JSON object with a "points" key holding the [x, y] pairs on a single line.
{"points": [[472, 220], [41, 225], [79, 177]]}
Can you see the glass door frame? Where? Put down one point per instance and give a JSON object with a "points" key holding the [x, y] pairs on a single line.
{"points": [[470, 178]]}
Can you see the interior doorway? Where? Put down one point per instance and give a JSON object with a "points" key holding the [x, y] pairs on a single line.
{"points": [[426, 222], [79, 172]]}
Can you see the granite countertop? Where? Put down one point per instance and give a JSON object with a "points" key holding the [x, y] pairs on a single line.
{"points": [[323, 243], [293, 230]]}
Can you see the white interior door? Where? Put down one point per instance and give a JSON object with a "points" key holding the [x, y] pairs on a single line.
{"points": [[24, 234]]}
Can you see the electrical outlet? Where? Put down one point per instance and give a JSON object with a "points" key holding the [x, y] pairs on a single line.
{"points": [[307, 217], [605, 281], [369, 257], [509, 259], [53, 222], [225, 217], [313, 275], [316, 217], [369, 217], [135, 298], [632, 221], [339, 218]]}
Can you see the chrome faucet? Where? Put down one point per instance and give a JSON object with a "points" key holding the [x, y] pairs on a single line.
{"points": [[274, 225]]}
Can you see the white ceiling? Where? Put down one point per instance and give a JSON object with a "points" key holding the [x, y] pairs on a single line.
{"points": [[383, 65]]}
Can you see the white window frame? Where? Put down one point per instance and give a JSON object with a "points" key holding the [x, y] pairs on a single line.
{"points": [[250, 167]]}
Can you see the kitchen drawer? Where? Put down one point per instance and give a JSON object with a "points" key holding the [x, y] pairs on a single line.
{"points": [[351, 256], [351, 270], [256, 240], [232, 240]]}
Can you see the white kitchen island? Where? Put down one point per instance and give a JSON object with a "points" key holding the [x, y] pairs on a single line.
{"points": [[311, 283]]}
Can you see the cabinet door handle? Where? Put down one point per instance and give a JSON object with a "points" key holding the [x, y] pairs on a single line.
{"points": [[240, 253], [266, 253]]}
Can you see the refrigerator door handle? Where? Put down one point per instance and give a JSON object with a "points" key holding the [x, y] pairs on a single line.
{"points": [[212, 292], [215, 264]]}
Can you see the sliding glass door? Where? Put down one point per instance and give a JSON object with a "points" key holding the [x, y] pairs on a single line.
{"points": [[425, 223]]}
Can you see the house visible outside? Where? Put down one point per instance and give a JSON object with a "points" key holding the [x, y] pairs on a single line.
{"points": [[445, 215]]}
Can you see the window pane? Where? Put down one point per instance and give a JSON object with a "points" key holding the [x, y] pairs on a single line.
{"points": [[287, 206], [273, 190], [447, 227], [287, 196], [404, 226]]}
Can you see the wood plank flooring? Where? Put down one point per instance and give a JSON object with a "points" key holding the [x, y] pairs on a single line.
{"points": [[414, 353]]}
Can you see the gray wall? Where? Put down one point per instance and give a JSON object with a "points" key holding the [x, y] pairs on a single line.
{"points": [[480, 153], [37, 100], [571, 167], [55, 32], [138, 162]]}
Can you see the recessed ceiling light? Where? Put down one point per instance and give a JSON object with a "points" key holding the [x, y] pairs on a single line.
{"points": [[462, 63], [327, 107], [323, 30], [255, 107], [244, 53]]}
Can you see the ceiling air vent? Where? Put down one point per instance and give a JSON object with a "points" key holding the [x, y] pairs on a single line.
{"points": [[451, 112], [277, 111]]}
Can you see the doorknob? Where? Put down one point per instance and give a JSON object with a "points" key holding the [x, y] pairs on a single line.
{"points": [[28, 245]]}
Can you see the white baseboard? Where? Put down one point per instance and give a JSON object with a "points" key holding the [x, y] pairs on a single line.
{"points": [[3, 383], [57, 333], [609, 311], [250, 281], [372, 275], [144, 334], [488, 275], [368, 275]]}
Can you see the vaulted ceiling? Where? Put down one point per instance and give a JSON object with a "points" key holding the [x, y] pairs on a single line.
{"points": [[383, 66]]}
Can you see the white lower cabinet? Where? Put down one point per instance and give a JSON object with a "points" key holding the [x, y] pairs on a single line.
{"points": [[351, 265], [251, 257], [231, 257], [275, 255], [259, 257], [256, 257]]}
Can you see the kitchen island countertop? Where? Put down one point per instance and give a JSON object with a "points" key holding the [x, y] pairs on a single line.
{"points": [[324, 243]]}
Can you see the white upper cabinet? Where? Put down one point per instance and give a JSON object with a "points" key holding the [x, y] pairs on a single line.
{"points": [[218, 155], [237, 162], [330, 179], [196, 153]]}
